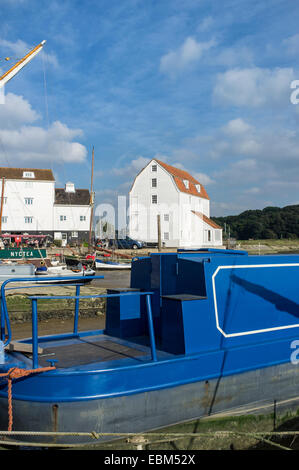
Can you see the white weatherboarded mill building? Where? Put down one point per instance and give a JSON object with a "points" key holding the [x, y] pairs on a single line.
{"points": [[182, 203], [32, 205]]}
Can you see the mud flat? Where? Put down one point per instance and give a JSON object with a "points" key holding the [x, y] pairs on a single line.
{"points": [[287, 246], [19, 305]]}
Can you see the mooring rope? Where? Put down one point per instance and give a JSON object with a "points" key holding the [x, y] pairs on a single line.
{"points": [[140, 439], [17, 373]]}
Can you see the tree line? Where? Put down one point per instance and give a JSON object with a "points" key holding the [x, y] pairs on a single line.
{"points": [[268, 223]]}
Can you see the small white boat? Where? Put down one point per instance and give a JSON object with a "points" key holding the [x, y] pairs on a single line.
{"points": [[64, 271], [12, 270], [15, 271], [103, 264]]}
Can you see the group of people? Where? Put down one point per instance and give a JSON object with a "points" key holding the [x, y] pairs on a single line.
{"points": [[102, 243], [17, 242]]}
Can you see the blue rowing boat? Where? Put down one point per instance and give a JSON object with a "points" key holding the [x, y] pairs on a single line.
{"points": [[197, 333]]}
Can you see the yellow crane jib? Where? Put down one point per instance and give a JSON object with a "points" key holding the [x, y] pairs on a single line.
{"points": [[20, 64]]}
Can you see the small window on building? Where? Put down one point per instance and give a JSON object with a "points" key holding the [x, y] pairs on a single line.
{"points": [[28, 201], [154, 167], [82, 218], [154, 182], [28, 220], [4, 200], [166, 235], [4, 219], [154, 199], [197, 188], [28, 174], [186, 183], [74, 234], [166, 217], [62, 218], [209, 235]]}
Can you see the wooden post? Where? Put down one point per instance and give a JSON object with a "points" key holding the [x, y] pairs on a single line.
{"points": [[2, 200], [159, 232], [91, 201]]}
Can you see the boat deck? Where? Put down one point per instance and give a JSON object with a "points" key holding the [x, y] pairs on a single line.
{"points": [[87, 350], [94, 351]]}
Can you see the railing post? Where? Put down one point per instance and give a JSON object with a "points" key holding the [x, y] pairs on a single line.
{"points": [[151, 327], [2, 336], [76, 318], [34, 335]]}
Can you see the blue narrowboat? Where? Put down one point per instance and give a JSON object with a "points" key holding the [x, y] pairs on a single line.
{"points": [[197, 333]]}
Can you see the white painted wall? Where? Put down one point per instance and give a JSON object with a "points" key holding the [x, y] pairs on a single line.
{"points": [[143, 213], [179, 226], [42, 215], [16, 209], [72, 216]]}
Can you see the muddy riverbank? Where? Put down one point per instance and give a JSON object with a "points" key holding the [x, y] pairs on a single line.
{"points": [[19, 303]]}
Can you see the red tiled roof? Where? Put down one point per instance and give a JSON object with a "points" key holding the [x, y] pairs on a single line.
{"points": [[206, 219], [179, 176]]}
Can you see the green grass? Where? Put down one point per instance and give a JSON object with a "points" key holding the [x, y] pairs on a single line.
{"points": [[278, 242], [240, 437]]}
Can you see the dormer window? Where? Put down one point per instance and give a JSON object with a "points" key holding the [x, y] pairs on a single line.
{"points": [[28, 174], [186, 183], [197, 188]]}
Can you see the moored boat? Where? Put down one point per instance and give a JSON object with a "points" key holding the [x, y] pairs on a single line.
{"points": [[107, 264], [197, 333], [62, 272]]}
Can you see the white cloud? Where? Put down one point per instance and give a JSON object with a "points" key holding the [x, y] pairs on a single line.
{"points": [[292, 44], [22, 142], [253, 190], [234, 56], [203, 178], [16, 111], [206, 24], [19, 48], [132, 168], [236, 127], [186, 55], [253, 87], [250, 164]]}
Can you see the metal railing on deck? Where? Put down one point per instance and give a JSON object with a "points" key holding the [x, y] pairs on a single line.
{"points": [[5, 323]]}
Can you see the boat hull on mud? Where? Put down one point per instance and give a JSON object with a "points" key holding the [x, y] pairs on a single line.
{"points": [[111, 265], [252, 391], [196, 334]]}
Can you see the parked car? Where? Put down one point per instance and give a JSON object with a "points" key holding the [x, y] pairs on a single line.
{"points": [[126, 243]]}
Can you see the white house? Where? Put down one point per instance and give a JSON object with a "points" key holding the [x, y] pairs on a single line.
{"points": [[32, 205], [182, 203]]}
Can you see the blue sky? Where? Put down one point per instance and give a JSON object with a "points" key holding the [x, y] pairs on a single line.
{"points": [[202, 85]]}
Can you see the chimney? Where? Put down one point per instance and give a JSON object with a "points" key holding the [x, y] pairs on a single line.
{"points": [[70, 187]]}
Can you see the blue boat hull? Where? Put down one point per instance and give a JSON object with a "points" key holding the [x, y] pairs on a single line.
{"points": [[196, 334], [254, 391]]}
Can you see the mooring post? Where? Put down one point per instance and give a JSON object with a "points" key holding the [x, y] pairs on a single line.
{"points": [[76, 319], [34, 334]]}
